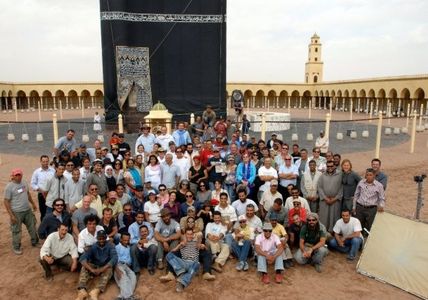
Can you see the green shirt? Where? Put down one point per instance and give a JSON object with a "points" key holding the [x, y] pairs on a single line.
{"points": [[312, 236]]}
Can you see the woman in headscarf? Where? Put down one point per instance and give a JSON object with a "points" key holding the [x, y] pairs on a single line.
{"points": [[111, 181]]}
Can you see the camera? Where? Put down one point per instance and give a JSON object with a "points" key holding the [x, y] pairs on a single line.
{"points": [[419, 178]]}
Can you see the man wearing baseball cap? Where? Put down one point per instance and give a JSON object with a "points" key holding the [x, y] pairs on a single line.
{"points": [[98, 261], [17, 200]]}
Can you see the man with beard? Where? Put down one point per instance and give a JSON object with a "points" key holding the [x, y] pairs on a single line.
{"points": [[52, 221], [330, 191], [312, 241]]}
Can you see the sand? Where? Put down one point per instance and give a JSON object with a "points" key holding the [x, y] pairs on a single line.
{"points": [[22, 275]]}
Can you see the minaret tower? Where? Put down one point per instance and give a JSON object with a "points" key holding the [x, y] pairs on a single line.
{"points": [[314, 66]]}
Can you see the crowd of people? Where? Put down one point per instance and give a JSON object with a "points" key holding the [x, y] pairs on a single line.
{"points": [[194, 199]]}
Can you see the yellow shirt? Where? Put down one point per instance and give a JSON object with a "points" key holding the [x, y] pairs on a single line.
{"points": [[279, 230]]}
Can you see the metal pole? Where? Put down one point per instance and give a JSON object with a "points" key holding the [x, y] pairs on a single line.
{"points": [[55, 128], [327, 126], [413, 133], [40, 113], [378, 136], [420, 199], [310, 109], [263, 129], [351, 108]]}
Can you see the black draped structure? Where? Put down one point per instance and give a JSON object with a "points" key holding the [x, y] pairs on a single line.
{"points": [[173, 51]]}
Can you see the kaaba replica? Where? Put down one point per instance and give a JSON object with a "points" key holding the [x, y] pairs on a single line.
{"points": [[173, 51]]}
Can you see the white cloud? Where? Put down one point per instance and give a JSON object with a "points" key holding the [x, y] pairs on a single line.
{"points": [[58, 40]]}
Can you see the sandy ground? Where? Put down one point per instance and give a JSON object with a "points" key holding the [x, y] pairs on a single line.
{"points": [[22, 276]]}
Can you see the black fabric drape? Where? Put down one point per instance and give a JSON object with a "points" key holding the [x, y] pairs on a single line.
{"points": [[187, 59]]}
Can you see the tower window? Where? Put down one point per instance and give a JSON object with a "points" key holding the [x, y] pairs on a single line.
{"points": [[316, 49], [316, 59], [315, 79], [316, 41]]}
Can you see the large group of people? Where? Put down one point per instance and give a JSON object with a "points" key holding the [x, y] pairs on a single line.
{"points": [[194, 199]]}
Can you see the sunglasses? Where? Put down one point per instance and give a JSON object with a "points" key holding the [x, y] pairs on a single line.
{"points": [[189, 196], [296, 204], [60, 205], [162, 190], [127, 210], [95, 189], [242, 221], [284, 148], [265, 230], [312, 220], [188, 221], [117, 164]]}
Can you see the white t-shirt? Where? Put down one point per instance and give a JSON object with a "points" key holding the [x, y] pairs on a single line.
{"points": [[153, 209], [349, 228], [227, 213], [283, 169], [263, 171], [289, 204], [241, 208], [184, 166]]}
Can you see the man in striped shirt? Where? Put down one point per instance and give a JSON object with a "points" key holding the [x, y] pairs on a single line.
{"points": [[188, 265], [369, 198]]}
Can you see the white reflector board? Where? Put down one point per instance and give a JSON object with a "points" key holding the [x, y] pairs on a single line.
{"points": [[396, 252]]}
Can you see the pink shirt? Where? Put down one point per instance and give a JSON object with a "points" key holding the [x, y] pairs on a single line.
{"points": [[268, 245]]}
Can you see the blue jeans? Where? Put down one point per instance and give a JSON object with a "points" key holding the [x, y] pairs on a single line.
{"points": [[262, 264], [185, 269], [316, 258], [230, 188], [143, 258], [351, 246], [241, 252]]}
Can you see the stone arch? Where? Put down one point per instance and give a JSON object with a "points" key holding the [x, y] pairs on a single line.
{"points": [[294, 101], [98, 99], [60, 98], [405, 93], [381, 97], [259, 99], [248, 96], [85, 97], [47, 100], [306, 97], [21, 100], [271, 99], [283, 99], [35, 99], [73, 99], [419, 96]]}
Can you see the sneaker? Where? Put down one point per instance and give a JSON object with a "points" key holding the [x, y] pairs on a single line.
{"points": [[216, 267], [318, 268], [208, 276], [278, 278], [246, 266], [240, 266], [161, 266], [285, 262], [265, 278], [179, 287], [17, 251], [168, 277]]}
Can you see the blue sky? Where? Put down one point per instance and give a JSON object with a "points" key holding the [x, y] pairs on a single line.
{"points": [[59, 40]]}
